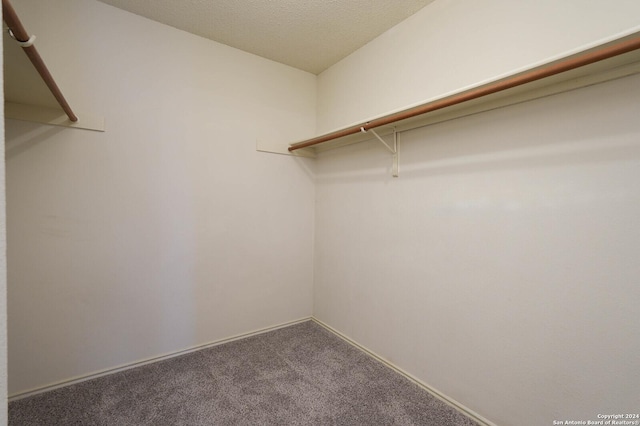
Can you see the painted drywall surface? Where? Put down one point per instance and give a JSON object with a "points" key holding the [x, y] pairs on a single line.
{"points": [[3, 268], [168, 230], [501, 266], [452, 44]]}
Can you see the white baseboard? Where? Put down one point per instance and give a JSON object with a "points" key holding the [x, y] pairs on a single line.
{"points": [[450, 401], [84, 378]]}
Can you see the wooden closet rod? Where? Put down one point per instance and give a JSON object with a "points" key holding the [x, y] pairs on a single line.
{"points": [[573, 62], [20, 34]]}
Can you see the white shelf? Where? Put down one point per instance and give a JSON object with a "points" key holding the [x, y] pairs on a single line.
{"points": [[28, 98], [617, 66]]}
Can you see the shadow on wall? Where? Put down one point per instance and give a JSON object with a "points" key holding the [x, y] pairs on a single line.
{"points": [[23, 138], [561, 130]]}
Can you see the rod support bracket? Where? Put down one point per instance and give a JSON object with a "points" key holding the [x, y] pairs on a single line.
{"points": [[393, 149], [26, 43]]}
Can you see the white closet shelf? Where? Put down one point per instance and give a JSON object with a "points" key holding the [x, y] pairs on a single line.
{"points": [[52, 116], [607, 61], [31, 93]]}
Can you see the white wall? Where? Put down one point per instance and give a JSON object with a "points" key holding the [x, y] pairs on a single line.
{"points": [[451, 44], [498, 268], [501, 266], [3, 268], [168, 230]]}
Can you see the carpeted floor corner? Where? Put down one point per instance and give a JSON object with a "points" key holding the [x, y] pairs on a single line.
{"points": [[298, 375]]}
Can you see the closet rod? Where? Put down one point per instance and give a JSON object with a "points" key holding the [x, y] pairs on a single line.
{"points": [[573, 62], [21, 36]]}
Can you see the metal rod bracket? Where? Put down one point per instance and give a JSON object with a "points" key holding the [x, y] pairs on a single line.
{"points": [[393, 150], [26, 43]]}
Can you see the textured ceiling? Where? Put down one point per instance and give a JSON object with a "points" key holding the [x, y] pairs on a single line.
{"points": [[310, 35]]}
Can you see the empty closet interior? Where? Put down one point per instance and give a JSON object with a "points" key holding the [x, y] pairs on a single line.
{"points": [[458, 198]]}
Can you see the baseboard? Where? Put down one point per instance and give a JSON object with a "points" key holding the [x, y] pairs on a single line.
{"points": [[450, 401], [84, 378]]}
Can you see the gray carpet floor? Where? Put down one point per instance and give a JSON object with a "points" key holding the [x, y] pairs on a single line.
{"points": [[298, 375]]}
